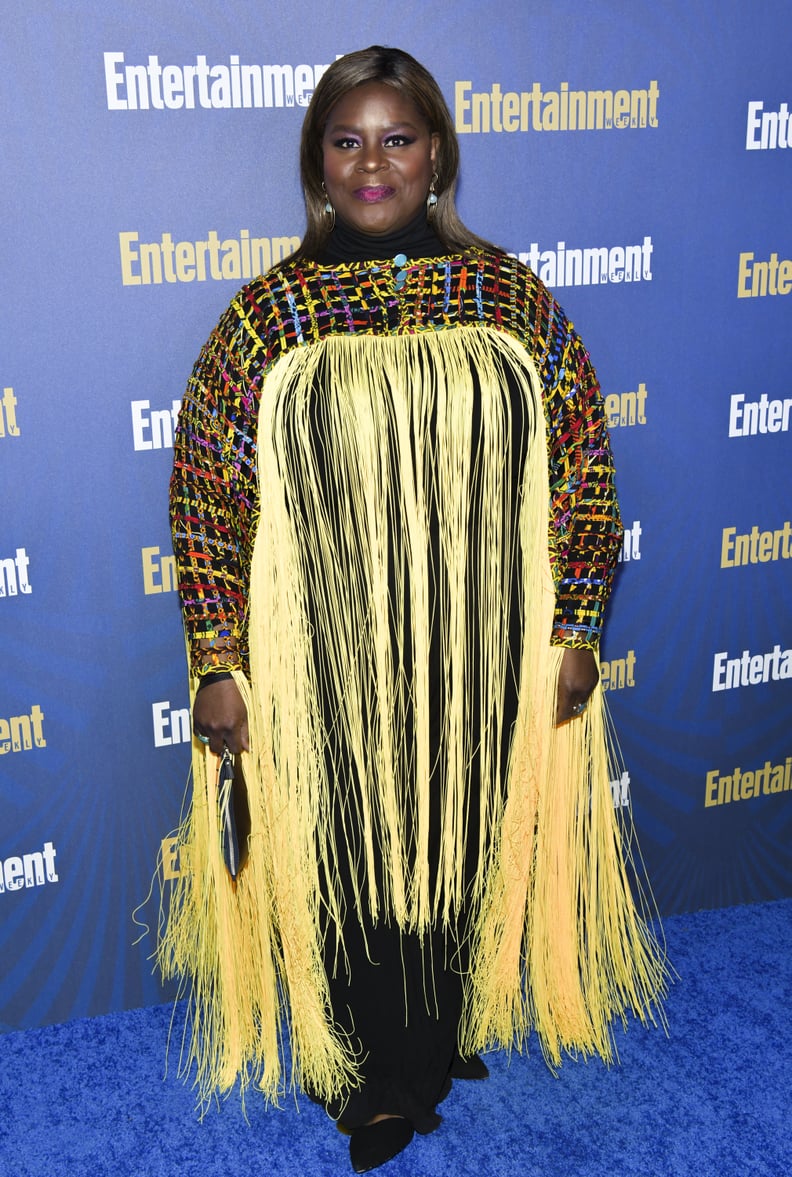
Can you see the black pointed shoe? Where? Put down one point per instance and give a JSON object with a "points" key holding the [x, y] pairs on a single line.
{"points": [[374, 1144]]}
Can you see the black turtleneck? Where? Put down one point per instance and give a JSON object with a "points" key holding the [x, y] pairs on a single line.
{"points": [[415, 240]]}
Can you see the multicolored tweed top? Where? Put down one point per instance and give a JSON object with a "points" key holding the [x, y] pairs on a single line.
{"points": [[215, 500]]}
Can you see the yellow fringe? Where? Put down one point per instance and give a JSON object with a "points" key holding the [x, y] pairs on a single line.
{"points": [[562, 944], [259, 996], [359, 441]]}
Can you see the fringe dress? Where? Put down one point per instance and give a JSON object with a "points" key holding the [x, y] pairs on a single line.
{"points": [[393, 509]]}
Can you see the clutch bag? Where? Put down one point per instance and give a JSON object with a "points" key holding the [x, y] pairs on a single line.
{"points": [[234, 813]]}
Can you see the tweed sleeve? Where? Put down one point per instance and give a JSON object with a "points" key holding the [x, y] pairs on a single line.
{"points": [[214, 498], [585, 529]]}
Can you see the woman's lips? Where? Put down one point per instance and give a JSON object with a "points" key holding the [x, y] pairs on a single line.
{"points": [[372, 193]]}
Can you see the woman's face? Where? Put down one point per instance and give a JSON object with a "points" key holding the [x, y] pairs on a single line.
{"points": [[378, 159]]}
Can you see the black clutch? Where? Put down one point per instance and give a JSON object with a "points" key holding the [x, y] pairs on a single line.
{"points": [[234, 813]]}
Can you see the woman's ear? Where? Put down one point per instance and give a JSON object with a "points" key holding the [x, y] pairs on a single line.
{"points": [[435, 148]]}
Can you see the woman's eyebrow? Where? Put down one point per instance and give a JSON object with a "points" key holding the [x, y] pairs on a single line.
{"points": [[351, 129]]}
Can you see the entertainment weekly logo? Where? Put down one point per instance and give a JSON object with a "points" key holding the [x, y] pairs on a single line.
{"points": [[199, 84], [767, 130], [15, 574], [34, 869]]}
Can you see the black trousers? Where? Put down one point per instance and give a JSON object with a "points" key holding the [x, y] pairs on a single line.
{"points": [[400, 1001]]}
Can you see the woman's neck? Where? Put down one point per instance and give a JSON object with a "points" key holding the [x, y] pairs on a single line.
{"points": [[347, 244]]}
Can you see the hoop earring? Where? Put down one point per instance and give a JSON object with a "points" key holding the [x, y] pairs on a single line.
{"points": [[329, 211], [431, 200]]}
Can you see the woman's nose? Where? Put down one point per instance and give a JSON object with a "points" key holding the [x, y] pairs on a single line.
{"points": [[372, 158]]}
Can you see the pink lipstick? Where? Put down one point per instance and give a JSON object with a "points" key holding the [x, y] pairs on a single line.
{"points": [[373, 193]]}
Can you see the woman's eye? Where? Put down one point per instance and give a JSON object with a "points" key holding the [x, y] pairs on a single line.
{"points": [[345, 142], [398, 141]]}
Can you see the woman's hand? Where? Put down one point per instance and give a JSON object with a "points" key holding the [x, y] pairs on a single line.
{"points": [[219, 712], [576, 680]]}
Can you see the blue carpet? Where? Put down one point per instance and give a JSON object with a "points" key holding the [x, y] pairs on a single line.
{"points": [[710, 1100]]}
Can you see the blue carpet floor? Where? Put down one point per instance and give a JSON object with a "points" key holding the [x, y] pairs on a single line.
{"points": [[710, 1100]]}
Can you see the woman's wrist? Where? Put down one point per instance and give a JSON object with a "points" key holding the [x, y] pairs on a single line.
{"points": [[213, 676]]}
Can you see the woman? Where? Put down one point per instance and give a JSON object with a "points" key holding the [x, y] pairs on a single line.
{"points": [[396, 529]]}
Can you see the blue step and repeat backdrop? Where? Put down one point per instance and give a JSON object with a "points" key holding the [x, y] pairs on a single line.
{"points": [[637, 155]]}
